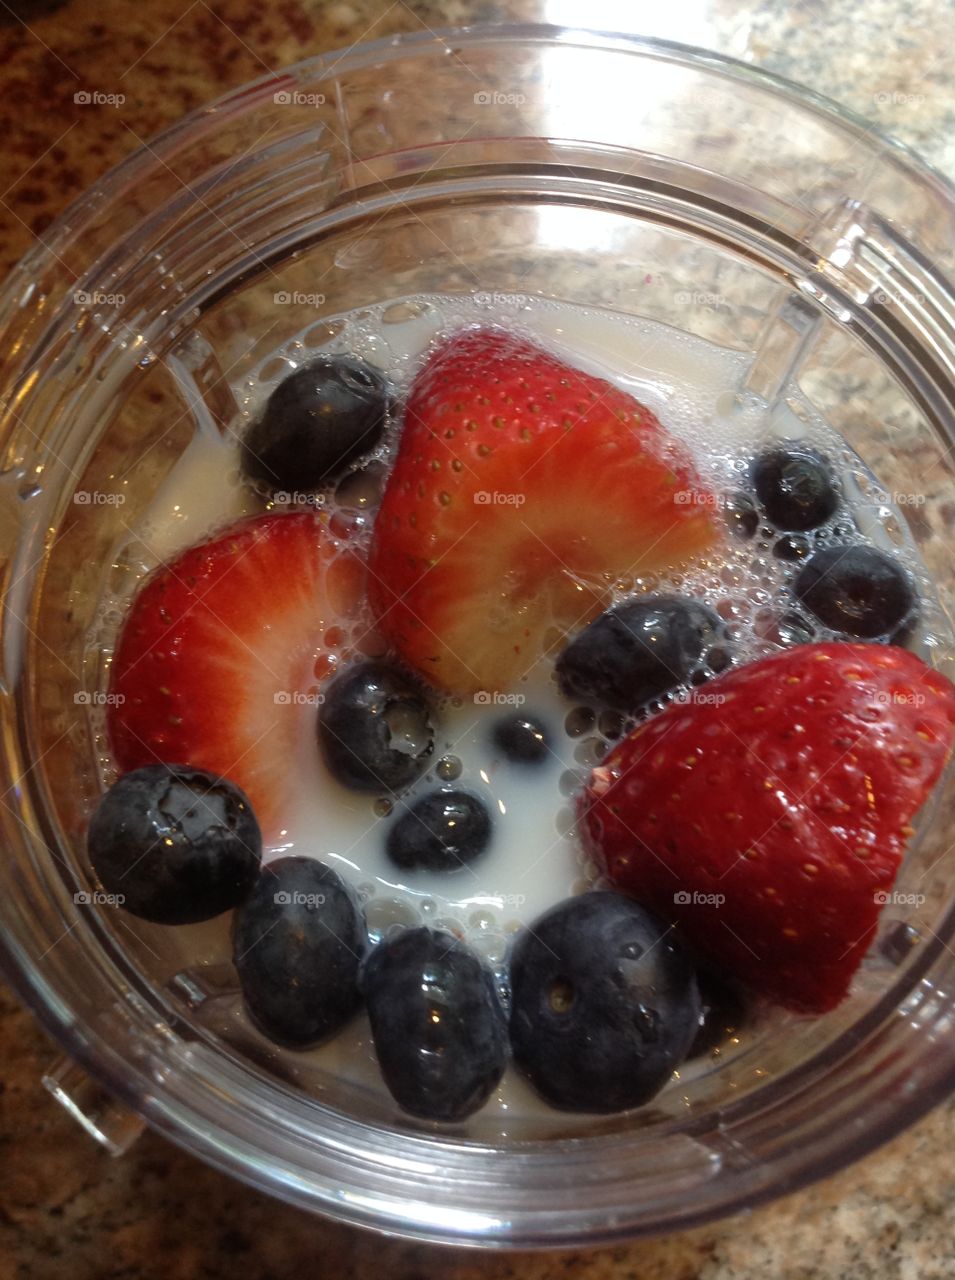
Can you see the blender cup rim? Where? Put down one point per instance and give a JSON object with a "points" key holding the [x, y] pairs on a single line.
{"points": [[340, 62]]}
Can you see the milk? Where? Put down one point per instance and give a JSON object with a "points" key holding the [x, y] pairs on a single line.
{"points": [[534, 859]]}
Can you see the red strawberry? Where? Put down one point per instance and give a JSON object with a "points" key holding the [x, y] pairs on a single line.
{"points": [[522, 490], [218, 655], [786, 789]]}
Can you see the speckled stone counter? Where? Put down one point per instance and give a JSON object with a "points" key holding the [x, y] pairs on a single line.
{"points": [[83, 83]]}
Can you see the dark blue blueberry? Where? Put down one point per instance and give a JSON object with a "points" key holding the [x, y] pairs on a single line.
{"points": [[298, 943], [317, 423], [723, 1011], [374, 729], [858, 590], [796, 487], [604, 1004], [637, 651], [521, 739], [438, 1026], [178, 844], [741, 515], [443, 831]]}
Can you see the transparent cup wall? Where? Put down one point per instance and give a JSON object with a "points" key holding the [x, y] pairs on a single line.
{"points": [[608, 172]]}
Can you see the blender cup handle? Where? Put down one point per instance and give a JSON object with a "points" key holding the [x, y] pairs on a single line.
{"points": [[103, 1117]]}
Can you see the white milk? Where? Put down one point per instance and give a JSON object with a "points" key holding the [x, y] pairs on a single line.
{"points": [[534, 859]]}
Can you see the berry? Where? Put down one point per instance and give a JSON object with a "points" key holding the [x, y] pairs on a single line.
{"points": [[637, 650], [437, 1024], [768, 821], [522, 740], [178, 844], [317, 422], [297, 945], [522, 489], [216, 659], [796, 487], [858, 590], [604, 1004], [375, 729], [443, 831]]}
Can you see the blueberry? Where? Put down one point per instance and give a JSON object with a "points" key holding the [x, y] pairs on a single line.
{"points": [[604, 1004], [741, 515], [796, 487], [297, 945], [180, 845], [857, 590], [637, 650], [317, 422], [374, 729], [438, 1026], [522, 740], [443, 831]]}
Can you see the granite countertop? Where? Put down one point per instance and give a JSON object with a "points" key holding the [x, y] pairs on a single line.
{"points": [[66, 1208]]}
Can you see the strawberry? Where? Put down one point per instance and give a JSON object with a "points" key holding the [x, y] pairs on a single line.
{"points": [[522, 491], [766, 815], [216, 665]]}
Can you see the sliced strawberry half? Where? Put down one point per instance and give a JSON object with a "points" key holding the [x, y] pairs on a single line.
{"points": [[216, 661], [523, 490], [769, 816]]}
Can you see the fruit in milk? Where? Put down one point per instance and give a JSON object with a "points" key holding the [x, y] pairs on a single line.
{"points": [[466, 583], [771, 820], [615, 566]]}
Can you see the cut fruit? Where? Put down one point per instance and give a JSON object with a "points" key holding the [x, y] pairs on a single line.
{"points": [[215, 666], [769, 815], [523, 490]]}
